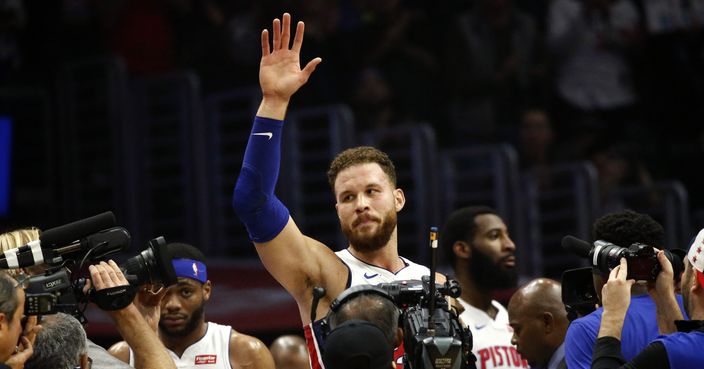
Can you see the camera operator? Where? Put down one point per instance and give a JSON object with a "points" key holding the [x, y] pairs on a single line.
{"points": [[539, 323], [130, 319], [15, 345], [675, 350], [640, 327], [364, 331], [477, 244]]}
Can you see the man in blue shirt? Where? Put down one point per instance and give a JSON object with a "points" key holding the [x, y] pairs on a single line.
{"points": [[678, 350], [640, 326]]}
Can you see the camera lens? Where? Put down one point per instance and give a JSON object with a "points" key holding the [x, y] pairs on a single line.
{"points": [[151, 266], [605, 255]]}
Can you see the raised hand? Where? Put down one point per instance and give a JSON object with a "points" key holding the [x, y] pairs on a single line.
{"points": [[664, 284], [616, 293], [615, 297], [280, 73], [662, 291]]}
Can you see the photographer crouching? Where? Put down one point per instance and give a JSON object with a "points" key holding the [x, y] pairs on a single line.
{"points": [[673, 350]]}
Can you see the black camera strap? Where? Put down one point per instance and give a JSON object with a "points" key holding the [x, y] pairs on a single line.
{"points": [[113, 298]]}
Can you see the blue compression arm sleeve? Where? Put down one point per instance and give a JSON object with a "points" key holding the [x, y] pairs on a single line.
{"points": [[253, 200]]}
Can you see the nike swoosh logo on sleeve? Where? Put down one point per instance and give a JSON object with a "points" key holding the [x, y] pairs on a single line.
{"points": [[266, 134]]}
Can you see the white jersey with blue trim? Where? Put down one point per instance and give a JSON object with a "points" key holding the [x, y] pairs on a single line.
{"points": [[365, 273], [212, 351]]}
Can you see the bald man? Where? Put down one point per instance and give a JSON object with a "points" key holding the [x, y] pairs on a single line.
{"points": [[539, 323], [290, 352]]}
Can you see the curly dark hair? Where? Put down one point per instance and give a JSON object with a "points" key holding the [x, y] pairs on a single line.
{"points": [[460, 226], [361, 155], [625, 227], [179, 250]]}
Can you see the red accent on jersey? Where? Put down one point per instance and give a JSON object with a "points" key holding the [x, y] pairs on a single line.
{"points": [[206, 359], [500, 356], [312, 344], [398, 356]]}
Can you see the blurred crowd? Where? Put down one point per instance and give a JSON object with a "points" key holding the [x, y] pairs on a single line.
{"points": [[617, 82]]}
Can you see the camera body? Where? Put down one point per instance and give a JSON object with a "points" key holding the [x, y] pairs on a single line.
{"points": [[578, 293], [60, 288], [51, 293], [433, 337], [641, 258]]}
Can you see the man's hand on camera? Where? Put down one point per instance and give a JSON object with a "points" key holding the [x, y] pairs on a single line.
{"points": [[21, 355], [106, 275], [25, 347], [111, 291], [662, 291], [664, 284], [148, 303], [615, 297], [31, 328]]}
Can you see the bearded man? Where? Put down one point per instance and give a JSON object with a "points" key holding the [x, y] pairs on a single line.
{"points": [[363, 180], [190, 340], [477, 244]]}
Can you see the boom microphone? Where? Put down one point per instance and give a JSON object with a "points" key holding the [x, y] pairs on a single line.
{"points": [[36, 252], [98, 245], [67, 233], [576, 246]]}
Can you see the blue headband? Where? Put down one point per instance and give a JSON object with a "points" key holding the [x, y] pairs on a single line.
{"points": [[189, 268]]}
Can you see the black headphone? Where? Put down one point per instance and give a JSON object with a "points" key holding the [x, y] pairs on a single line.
{"points": [[344, 297], [354, 291]]}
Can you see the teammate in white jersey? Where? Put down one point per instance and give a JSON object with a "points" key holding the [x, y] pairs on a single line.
{"points": [[477, 244], [190, 340], [363, 181]]}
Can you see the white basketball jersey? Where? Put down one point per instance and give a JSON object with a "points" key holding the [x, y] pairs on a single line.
{"points": [[361, 273], [491, 338], [210, 352], [364, 273]]}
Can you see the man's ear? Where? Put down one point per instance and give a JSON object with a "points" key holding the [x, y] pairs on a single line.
{"points": [[696, 287], [3, 322], [548, 322], [400, 199], [462, 250], [207, 288], [84, 362]]}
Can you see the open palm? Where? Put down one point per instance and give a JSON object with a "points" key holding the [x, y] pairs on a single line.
{"points": [[280, 73]]}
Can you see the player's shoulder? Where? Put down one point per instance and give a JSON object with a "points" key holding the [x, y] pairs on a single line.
{"points": [[414, 269], [244, 343], [249, 349], [120, 350]]}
